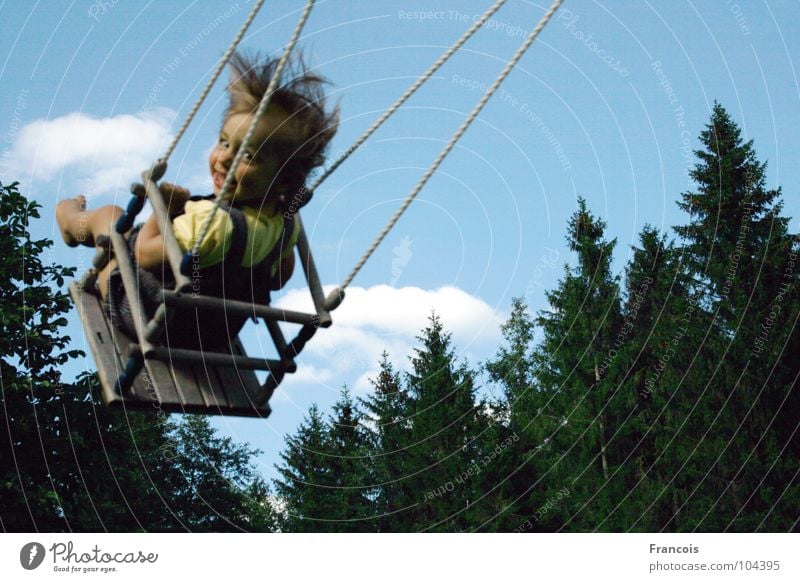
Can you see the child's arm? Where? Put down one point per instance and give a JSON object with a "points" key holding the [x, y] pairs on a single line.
{"points": [[150, 251]]}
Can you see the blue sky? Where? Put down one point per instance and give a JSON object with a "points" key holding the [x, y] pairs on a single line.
{"points": [[606, 104]]}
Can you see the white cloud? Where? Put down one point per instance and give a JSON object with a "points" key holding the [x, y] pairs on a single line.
{"points": [[380, 318], [101, 154], [405, 310]]}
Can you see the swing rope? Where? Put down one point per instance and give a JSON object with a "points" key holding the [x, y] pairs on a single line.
{"points": [[456, 136], [215, 75], [323, 305], [257, 116], [445, 56], [388, 113]]}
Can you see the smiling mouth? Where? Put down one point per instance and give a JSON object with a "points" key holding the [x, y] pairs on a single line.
{"points": [[219, 181]]}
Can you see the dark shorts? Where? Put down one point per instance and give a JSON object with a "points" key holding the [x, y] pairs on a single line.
{"points": [[117, 306], [185, 330]]}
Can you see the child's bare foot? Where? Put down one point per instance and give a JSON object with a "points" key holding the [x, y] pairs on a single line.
{"points": [[70, 214]]}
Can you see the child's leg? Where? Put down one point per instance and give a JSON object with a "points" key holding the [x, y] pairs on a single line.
{"points": [[82, 227], [102, 278]]}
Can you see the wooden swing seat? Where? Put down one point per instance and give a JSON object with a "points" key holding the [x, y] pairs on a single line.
{"points": [[171, 386]]}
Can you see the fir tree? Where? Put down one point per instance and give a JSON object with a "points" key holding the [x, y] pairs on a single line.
{"points": [[304, 488], [443, 449], [512, 367], [737, 238], [577, 367], [513, 417], [351, 503], [740, 254], [388, 410], [663, 330]]}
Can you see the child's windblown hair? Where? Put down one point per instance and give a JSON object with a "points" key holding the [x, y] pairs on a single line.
{"points": [[302, 98]]}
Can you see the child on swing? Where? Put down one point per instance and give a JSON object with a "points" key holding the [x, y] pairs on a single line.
{"points": [[248, 248]]}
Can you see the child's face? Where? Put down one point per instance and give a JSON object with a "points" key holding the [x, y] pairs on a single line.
{"points": [[256, 172]]}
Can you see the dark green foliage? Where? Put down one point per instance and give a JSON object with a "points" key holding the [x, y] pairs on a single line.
{"points": [[215, 489], [32, 314], [667, 402], [30, 353], [445, 425], [67, 463], [664, 401], [514, 414], [736, 235], [578, 366], [326, 482], [388, 411], [740, 255], [349, 464], [661, 326], [305, 484], [402, 468]]}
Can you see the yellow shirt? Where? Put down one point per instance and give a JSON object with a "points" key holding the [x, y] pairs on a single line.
{"points": [[263, 233]]}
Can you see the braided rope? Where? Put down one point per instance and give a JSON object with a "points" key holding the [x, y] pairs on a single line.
{"points": [[257, 116], [212, 80], [445, 56], [456, 136]]}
